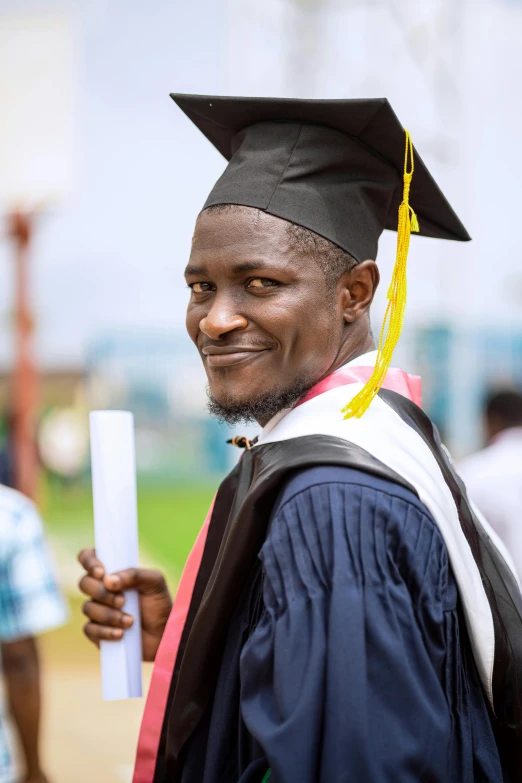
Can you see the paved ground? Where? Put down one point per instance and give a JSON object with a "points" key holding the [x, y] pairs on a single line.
{"points": [[87, 740]]}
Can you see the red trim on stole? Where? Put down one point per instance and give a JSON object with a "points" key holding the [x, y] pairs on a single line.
{"points": [[156, 704], [396, 380]]}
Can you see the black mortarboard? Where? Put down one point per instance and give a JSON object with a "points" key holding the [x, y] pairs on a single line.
{"points": [[343, 169], [333, 166]]}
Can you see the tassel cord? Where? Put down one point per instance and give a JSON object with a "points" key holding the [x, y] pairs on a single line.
{"points": [[397, 294]]}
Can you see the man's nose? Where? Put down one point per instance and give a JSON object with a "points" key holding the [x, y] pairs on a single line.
{"points": [[221, 319]]}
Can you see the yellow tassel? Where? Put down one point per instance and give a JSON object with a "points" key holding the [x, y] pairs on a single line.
{"points": [[414, 222], [397, 293]]}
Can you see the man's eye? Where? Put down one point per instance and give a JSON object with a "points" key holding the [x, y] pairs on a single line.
{"points": [[262, 282], [201, 288]]}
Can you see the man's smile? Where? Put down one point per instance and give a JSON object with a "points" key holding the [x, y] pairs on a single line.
{"points": [[225, 356]]}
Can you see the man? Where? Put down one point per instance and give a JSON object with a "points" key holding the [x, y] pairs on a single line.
{"points": [[343, 614], [30, 603], [493, 476]]}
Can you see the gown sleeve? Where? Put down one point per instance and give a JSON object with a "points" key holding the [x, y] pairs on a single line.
{"points": [[341, 678]]}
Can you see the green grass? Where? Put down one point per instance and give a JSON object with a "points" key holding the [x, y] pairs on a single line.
{"points": [[169, 521], [169, 518]]}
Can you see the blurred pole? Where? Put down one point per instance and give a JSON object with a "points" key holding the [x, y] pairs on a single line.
{"points": [[25, 377]]}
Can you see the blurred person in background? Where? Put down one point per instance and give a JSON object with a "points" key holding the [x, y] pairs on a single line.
{"points": [[6, 450], [338, 617], [493, 476], [30, 603]]}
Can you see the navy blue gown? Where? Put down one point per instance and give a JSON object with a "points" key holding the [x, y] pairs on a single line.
{"points": [[347, 659]]}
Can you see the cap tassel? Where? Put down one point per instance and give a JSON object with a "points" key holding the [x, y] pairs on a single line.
{"points": [[397, 293]]}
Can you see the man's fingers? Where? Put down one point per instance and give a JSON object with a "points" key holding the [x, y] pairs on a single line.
{"points": [[144, 580], [90, 562], [101, 633], [105, 616], [94, 588]]}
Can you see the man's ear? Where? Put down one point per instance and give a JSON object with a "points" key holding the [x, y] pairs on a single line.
{"points": [[357, 289]]}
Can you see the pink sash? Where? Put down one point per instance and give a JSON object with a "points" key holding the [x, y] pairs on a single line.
{"points": [[156, 703], [396, 380]]}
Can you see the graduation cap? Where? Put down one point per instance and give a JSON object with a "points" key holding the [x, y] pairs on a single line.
{"points": [[341, 168]]}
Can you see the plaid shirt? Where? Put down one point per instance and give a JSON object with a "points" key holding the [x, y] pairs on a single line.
{"points": [[30, 601]]}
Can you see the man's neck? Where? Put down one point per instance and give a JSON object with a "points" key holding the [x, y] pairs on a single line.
{"points": [[352, 353]]}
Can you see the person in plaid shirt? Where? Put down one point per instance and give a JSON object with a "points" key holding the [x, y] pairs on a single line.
{"points": [[30, 603]]}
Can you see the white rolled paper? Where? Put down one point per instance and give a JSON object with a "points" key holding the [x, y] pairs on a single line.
{"points": [[113, 463]]}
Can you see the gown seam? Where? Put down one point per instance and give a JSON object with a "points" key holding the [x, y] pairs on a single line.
{"points": [[300, 492]]}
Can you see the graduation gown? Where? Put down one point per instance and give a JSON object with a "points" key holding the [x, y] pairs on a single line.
{"points": [[336, 627], [345, 659]]}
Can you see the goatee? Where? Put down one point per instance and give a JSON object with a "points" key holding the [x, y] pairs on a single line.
{"points": [[259, 407]]}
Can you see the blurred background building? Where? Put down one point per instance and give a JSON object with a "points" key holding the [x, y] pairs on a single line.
{"points": [[112, 176]]}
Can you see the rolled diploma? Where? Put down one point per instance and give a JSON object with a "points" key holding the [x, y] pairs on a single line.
{"points": [[113, 463]]}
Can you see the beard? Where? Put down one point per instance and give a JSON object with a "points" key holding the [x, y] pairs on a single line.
{"points": [[260, 407]]}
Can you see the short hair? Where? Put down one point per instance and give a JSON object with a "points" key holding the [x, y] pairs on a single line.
{"points": [[506, 406], [332, 259]]}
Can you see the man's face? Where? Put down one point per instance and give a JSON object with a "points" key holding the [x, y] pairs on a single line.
{"points": [[263, 318]]}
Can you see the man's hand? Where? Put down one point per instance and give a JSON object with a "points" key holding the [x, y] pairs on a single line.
{"points": [[38, 778], [107, 620]]}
